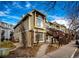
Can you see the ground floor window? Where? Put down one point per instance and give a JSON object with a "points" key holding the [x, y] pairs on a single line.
{"points": [[39, 36]]}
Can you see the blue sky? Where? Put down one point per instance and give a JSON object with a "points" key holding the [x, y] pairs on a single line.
{"points": [[13, 11]]}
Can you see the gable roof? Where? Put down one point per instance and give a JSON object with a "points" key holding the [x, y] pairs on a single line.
{"points": [[38, 12]]}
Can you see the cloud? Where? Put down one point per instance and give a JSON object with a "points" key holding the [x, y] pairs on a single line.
{"points": [[16, 4], [9, 16], [5, 20], [15, 17], [6, 6], [60, 20], [55, 17], [7, 9], [2, 13], [28, 5]]}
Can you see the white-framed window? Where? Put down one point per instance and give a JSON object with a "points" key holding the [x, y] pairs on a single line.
{"points": [[39, 22]]}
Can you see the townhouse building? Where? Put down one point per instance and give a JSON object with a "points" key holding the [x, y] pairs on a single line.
{"points": [[31, 29]]}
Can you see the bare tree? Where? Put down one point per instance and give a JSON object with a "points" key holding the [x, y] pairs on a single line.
{"points": [[49, 5], [74, 16], [72, 9]]}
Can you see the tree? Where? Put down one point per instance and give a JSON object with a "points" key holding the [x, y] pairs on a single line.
{"points": [[50, 5], [72, 9], [74, 16]]}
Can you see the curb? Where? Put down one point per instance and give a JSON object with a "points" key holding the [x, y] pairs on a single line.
{"points": [[72, 56]]}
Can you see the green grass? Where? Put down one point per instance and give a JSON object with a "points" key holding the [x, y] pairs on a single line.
{"points": [[6, 44]]}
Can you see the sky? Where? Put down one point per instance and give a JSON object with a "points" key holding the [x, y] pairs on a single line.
{"points": [[12, 11]]}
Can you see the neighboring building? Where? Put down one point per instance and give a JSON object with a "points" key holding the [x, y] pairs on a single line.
{"points": [[53, 29], [31, 28], [5, 30], [56, 26]]}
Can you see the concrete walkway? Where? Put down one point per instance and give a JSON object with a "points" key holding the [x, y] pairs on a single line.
{"points": [[42, 50], [63, 52], [17, 46]]}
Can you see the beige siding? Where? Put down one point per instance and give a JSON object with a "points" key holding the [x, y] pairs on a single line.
{"points": [[16, 33], [29, 39], [31, 24], [26, 24], [23, 27]]}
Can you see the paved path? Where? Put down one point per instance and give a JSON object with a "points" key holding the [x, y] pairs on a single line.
{"points": [[17, 46], [63, 52], [42, 50]]}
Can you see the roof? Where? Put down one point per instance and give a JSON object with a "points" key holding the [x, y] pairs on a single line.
{"points": [[28, 14], [38, 12]]}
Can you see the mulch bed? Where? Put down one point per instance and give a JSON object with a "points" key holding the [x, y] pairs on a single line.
{"points": [[51, 48], [24, 52]]}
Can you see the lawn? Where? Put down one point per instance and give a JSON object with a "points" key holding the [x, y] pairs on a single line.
{"points": [[6, 44], [5, 48]]}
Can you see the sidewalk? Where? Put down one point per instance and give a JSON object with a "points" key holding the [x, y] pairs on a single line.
{"points": [[42, 50], [63, 52], [17, 46]]}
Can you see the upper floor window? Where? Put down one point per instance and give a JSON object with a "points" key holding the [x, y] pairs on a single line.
{"points": [[39, 22]]}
